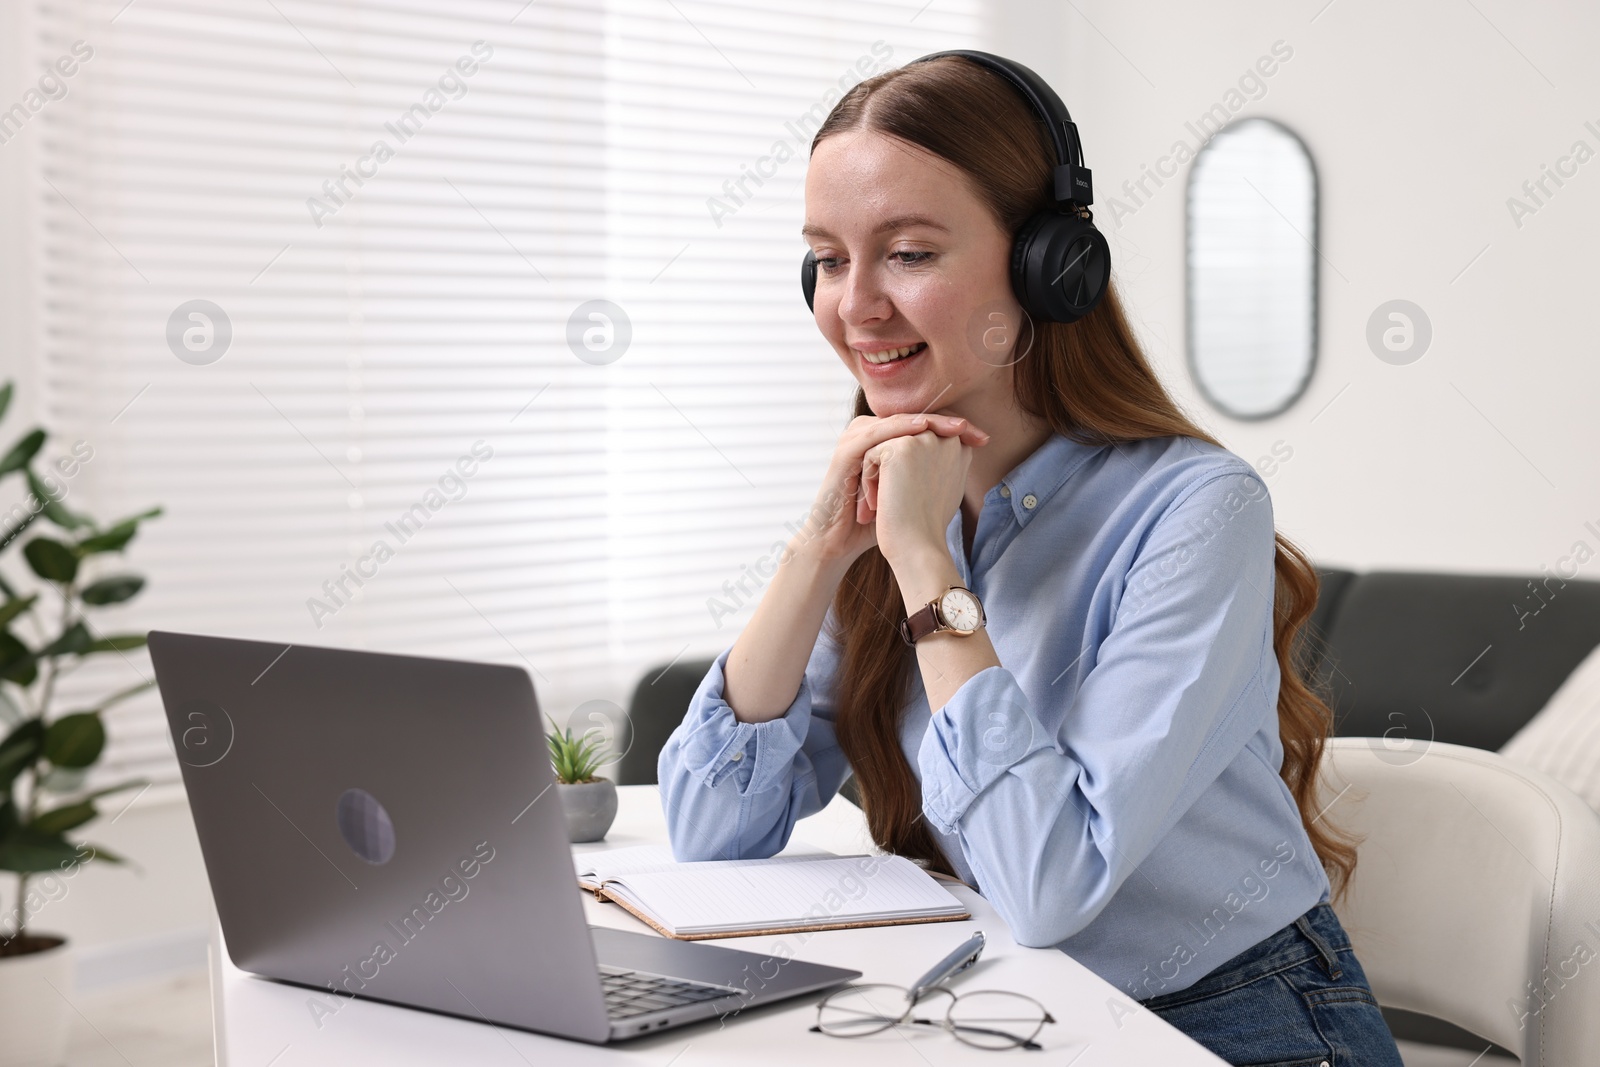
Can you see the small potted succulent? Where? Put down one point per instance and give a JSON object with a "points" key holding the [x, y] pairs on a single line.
{"points": [[45, 755], [589, 801]]}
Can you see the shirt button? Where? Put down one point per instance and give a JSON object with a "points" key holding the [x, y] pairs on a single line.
{"points": [[737, 756], [1030, 501], [1005, 491]]}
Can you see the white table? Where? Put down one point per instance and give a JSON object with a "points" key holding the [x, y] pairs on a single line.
{"points": [[261, 1023]]}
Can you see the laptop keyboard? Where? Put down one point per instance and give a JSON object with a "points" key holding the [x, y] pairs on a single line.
{"points": [[634, 992]]}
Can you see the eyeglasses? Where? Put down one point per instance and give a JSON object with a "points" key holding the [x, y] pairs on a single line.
{"points": [[984, 1018]]}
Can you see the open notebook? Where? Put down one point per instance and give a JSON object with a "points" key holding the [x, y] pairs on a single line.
{"points": [[784, 894]]}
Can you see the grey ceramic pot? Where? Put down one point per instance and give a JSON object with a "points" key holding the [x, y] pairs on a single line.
{"points": [[590, 807]]}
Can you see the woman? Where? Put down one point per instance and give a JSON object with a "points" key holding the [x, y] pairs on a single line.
{"points": [[1122, 759]]}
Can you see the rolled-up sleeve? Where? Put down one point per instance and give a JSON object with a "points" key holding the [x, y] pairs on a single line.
{"points": [[1057, 798], [734, 790]]}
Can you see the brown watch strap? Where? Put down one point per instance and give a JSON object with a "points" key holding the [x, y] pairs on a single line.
{"points": [[920, 623]]}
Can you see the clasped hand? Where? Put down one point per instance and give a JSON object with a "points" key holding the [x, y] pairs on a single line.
{"points": [[893, 482], [911, 484]]}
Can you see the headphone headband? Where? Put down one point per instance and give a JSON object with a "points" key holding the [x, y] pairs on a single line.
{"points": [[1074, 183], [1060, 264]]}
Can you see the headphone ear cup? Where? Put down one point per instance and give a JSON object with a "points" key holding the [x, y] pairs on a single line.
{"points": [[808, 278], [1060, 266]]}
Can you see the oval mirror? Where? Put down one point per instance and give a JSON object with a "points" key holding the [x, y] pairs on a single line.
{"points": [[1252, 269]]}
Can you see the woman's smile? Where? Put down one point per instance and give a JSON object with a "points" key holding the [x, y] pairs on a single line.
{"points": [[880, 361]]}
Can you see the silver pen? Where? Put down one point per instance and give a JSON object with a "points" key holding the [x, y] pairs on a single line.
{"points": [[953, 964]]}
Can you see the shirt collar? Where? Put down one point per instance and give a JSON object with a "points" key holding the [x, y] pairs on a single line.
{"points": [[1037, 478]]}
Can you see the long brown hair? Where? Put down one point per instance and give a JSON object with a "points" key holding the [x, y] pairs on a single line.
{"points": [[1088, 381]]}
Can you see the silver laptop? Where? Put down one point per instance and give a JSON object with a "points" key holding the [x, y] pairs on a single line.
{"points": [[386, 826]]}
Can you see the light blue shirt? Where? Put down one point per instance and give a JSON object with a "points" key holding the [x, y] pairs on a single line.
{"points": [[1113, 788]]}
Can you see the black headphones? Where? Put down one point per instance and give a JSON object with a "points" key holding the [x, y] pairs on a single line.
{"points": [[1060, 264]]}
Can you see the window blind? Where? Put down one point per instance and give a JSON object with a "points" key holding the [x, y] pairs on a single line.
{"points": [[320, 277]]}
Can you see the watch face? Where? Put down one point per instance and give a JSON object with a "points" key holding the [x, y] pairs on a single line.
{"points": [[960, 609]]}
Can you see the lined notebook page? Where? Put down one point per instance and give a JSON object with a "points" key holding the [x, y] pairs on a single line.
{"points": [[595, 867], [756, 895]]}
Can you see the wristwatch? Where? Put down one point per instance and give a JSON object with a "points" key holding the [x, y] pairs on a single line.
{"points": [[957, 610]]}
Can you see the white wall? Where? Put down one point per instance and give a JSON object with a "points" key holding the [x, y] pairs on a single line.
{"points": [[1422, 119], [152, 915]]}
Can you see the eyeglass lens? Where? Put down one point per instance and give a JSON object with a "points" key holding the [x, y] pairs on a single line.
{"points": [[994, 1019], [990, 1019]]}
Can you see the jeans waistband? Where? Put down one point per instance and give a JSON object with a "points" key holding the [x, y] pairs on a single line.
{"points": [[1317, 934]]}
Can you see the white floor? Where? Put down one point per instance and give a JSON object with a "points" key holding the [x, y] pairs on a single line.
{"points": [[1430, 1056], [158, 1022], [167, 1023]]}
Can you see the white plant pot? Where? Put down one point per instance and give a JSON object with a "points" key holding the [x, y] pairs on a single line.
{"points": [[34, 1017], [590, 808]]}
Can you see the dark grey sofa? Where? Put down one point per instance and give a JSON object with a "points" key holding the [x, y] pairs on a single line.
{"points": [[1463, 659]]}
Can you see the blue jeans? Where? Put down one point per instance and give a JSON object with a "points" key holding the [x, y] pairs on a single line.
{"points": [[1298, 998]]}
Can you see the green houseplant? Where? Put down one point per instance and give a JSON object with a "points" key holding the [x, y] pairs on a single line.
{"points": [[46, 754], [588, 800]]}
